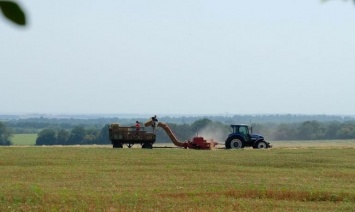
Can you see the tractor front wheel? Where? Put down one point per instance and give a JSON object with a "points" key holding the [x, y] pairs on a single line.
{"points": [[261, 145]]}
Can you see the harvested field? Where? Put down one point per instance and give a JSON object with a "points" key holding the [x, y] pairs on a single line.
{"points": [[100, 178]]}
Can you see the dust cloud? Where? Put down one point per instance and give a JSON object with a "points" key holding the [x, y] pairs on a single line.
{"points": [[211, 132]]}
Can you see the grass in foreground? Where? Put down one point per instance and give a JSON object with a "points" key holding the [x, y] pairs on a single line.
{"points": [[106, 179]]}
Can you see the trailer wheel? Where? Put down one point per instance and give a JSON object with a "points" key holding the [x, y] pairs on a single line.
{"points": [[147, 146], [261, 145], [117, 145], [234, 143]]}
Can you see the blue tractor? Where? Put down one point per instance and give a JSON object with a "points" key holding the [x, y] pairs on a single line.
{"points": [[242, 136]]}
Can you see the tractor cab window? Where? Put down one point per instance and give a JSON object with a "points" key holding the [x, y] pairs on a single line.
{"points": [[243, 130]]}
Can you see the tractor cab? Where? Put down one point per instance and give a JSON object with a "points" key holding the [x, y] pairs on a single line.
{"points": [[243, 130]]}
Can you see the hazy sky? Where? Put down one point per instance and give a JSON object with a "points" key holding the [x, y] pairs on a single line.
{"points": [[180, 57]]}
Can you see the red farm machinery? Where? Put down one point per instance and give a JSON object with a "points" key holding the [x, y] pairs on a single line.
{"points": [[130, 135]]}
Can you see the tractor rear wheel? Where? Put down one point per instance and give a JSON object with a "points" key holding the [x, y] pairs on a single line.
{"points": [[234, 143], [261, 145]]}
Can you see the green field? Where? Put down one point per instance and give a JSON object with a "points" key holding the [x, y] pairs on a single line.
{"points": [[107, 179], [24, 139]]}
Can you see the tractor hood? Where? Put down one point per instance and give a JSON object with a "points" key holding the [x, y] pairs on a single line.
{"points": [[256, 137]]}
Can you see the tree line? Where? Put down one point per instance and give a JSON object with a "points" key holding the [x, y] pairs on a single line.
{"points": [[78, 135], [5, 135], [20, 125], [308, 130], [93, 134]]}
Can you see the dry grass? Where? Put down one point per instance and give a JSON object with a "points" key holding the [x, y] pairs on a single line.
{"points": [[106, 179], [319, 144]]}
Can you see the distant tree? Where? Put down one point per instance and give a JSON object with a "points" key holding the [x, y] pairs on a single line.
{"points": [[13, 12], [284, 132], [184, 131], [47, 137], [200, 124], [267, 130], [77, 135], [103, 136], [332, 130], [63, 137], [309, 130], [89, 139], [90, 136], [181, 131], [5, 135], [346, 131]]}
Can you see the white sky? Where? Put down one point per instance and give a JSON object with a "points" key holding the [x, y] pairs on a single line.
{"points": [[180, 57]]}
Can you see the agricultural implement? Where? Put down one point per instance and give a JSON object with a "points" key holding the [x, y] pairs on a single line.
{"points": [[195, 143]]}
